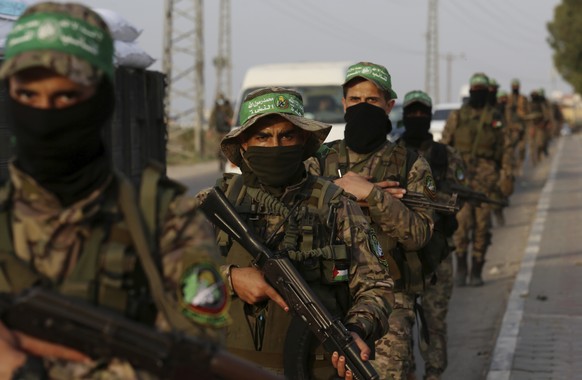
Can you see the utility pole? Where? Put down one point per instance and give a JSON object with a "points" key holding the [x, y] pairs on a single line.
{"points": [[183, 65], [449, 57], [223, 60], [431, 78]]}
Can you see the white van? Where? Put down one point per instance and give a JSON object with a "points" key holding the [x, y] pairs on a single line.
{"points": [[318, 82]]}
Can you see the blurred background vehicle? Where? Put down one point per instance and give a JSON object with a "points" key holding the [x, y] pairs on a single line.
{"points": [[396, 120], [440, 114], [318, 82]]}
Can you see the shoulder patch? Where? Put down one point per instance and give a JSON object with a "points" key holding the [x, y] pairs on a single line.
{"points": [[430, 187], [376, 248], [203, 296], [460, 174]]}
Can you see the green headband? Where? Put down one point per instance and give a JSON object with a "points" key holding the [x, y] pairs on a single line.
{"points": [[63, 33], [417, 97], [271, 103]]}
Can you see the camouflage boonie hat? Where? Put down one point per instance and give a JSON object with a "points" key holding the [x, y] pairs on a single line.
{"points": [[417, 96], [67, 38], [376, 74], [479, 80], [273, 101]]}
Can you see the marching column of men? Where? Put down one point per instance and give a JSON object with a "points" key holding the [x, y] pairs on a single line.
{"points": [[340, 212]]}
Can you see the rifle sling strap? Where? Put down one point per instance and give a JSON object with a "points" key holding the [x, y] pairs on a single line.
{"points": [[128, 205]]}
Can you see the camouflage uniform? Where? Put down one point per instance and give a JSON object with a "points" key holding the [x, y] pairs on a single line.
{"points": [[518, 109], [540, 125], [447, 168], [477, 134], [402, 231], [395, 224], [353, 281], [53, 240], [86, 248]]}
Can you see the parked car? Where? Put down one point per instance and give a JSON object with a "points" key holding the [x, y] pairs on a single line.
{"points": [[440, 114]]}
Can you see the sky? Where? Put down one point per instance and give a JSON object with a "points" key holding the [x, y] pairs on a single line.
{"points": [[506, 39]]}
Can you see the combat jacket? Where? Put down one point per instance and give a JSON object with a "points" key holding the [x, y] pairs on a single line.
{"points": [[478, 136], [446, 169], [394, 223], [326, 236], [57, 244]]}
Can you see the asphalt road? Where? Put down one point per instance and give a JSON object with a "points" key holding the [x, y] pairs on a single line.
{"points": [[475, 314]]}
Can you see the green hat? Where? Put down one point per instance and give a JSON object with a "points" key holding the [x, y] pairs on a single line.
{"points": [[479, 79], [501, 94], [515, 82], [417, 96], [493, 83], [67, 38], [273, 101], [376, 74], [541, 92]]}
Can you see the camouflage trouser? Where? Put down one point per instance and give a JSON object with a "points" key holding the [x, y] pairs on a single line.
{"points": [[393, 359], [474, 223], [520, 148], [435, 302]]}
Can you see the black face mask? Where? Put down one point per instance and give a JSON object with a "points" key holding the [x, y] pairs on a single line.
{"points": [[478, 98], [366, 127], [62, 149], [417, 128], [276, 166], [492, 98], [515, 91]]}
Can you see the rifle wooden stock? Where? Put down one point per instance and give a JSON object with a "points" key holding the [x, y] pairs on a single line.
{"points": [[282, 275], [102, 334]]}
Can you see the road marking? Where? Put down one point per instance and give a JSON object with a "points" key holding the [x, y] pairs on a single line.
{"points": [[502, 357]]}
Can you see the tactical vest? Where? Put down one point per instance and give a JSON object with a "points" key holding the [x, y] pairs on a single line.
{"points": [[395, 164], [437, 249], [110, 271], [270, 337], [476, 135]]}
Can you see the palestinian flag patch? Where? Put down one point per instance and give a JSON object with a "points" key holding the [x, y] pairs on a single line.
{"points": [[339, 274]]}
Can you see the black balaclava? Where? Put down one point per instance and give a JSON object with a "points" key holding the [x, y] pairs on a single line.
{"points": [[416, 127], [492, 98], [515, 90], [366, 127], [478, 98], [275, 167], [63, 149]]}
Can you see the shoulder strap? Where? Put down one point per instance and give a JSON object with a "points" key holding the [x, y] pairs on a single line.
{"points": [[482, 119], [156, 193], [439, 161], [139, 234], [5, 228], [411, 157]]}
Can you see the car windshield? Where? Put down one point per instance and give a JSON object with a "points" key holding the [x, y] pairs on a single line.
{"points": [[322, 103], [441, 114]]}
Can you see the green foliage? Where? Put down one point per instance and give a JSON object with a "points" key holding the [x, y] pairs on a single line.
{"points": [[566, 40]]}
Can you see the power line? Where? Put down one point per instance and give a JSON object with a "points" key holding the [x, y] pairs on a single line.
{"points": [[331, 27]]}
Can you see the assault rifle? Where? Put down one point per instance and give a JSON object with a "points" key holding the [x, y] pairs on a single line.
{"points": [[282, 275], [102, 334], [471, 196], [414, 199]]}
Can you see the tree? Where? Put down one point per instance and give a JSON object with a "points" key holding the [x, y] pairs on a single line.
{"points": [[566, 40]]}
